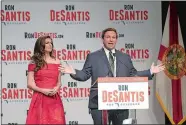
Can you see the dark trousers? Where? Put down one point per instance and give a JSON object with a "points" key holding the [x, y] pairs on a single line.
{"points": [[114, 116]]}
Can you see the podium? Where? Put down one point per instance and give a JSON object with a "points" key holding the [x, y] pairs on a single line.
{"points": [[123, 93]]}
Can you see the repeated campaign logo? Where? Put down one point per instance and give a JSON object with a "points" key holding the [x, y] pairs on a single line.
{"points": [[11, 14], [12, 93], [136, 54], [35, 35], [69, 15], [74, 92], [72, 54], [13, 55], [98, 34], [128, 14]]}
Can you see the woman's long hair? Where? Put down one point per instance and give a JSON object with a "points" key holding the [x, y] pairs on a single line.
{"points": [[39, 52]]}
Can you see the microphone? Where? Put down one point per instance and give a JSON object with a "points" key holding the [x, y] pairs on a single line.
{"points": [[92, 86], [114, 54]]}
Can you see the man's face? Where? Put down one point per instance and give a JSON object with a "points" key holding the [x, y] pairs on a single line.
{"points": [[110, 40]]}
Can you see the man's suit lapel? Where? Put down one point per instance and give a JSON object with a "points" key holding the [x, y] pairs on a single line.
{"points": [[120, 60]]}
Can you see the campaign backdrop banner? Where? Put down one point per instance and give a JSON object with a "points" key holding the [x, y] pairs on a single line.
{"points": [[76, 31]]}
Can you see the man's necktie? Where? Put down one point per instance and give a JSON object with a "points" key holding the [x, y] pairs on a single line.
{"points": [[111, 61]]}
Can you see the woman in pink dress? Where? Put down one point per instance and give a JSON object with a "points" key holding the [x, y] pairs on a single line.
{"points": [[44, 79]]}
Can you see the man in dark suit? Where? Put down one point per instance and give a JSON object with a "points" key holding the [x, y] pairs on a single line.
{"points": [[107, 62]]}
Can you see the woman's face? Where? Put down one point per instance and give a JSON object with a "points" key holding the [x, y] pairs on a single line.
{"points": [[48, 45]]}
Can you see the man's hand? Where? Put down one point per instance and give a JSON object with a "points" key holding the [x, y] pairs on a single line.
{"points": [[67, 69], [157, 69]]}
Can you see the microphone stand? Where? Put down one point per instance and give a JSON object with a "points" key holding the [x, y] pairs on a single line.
{"points": [[134, 121]]}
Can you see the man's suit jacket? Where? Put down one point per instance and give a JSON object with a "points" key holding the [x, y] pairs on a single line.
{"points": [[97, 65]]}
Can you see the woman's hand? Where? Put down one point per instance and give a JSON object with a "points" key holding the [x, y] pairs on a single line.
{"points": [[47, 92], [55, 90]]}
